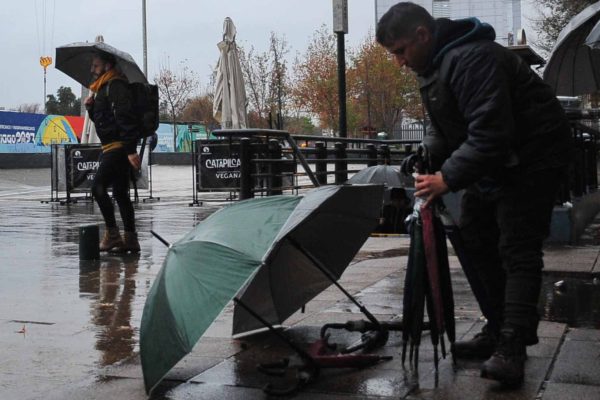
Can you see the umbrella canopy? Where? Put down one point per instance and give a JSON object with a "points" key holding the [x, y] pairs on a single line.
{"points": [[253, 244], [593, 39], [75, 60], [378, 174], [89, 134], [324, 232], [573, 68], [229, 106]]}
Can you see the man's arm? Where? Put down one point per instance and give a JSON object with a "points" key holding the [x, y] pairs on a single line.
{"points": [[125, 118]]}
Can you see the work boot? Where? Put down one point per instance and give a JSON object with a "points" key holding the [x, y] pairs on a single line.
{"points": [[507, 364], [482, 345], [111, 239], [130, 242]]}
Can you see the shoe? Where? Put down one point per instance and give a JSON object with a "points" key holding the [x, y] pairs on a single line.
{"points": [[130, 242], [481, 346], [507, 364], [111, 239]]}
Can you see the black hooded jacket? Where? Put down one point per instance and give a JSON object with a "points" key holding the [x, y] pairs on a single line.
{"points": [[112, 113], [491, 114]]}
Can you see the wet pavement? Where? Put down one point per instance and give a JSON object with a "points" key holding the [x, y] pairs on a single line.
{"points": [[69, 329]]}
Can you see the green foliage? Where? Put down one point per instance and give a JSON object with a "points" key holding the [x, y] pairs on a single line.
{"points": [[300, 125], [65, 103]]}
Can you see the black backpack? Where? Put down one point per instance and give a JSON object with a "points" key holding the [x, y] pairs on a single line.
{"points": [[145, 106], [144, 98]]}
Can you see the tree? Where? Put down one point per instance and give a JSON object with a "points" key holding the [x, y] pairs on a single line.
{"points": [[175, 89], [299, 125], [200, 109], [266, 78], [554, 15], [380, 93], [65, 102], [278, 85], [255, 68], [33, 108], [315, 87]]}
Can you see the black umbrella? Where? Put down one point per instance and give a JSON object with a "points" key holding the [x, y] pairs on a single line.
{"points": [[75, 60], [383, 174], [574, 68]]}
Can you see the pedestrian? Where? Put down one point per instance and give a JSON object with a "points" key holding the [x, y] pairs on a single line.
{"points": [[497, 131], [110, 107]]}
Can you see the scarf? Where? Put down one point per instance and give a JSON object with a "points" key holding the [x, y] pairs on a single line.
{"points": [[105, 77]]}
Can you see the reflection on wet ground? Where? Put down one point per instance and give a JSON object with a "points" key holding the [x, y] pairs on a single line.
{"points": [[110, 286], [61, 317], [571, 300]]}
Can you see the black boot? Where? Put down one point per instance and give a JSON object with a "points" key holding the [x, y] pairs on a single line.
{"points": [[482, 345], [507, 364]]}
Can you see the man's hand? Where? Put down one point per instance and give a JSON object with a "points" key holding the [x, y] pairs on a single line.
{"points": [[89, 101], [430, 187], [134, 160]]}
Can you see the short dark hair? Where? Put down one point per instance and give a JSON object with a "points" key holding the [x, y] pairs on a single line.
{"points": [[106, 57], [401, 21]]}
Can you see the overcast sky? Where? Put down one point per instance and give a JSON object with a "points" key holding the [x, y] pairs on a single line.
{"points": [[177, 30]]}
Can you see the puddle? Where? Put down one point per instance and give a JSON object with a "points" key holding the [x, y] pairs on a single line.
{"points": [[571, 300]]}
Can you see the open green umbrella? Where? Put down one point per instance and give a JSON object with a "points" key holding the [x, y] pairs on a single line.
{"points": [[240, 246]]}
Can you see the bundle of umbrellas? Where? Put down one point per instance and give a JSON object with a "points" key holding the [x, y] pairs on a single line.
{"points": [[427, 284]]}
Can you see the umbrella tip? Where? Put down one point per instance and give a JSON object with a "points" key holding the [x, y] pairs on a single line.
{"points": [[156, 235]]}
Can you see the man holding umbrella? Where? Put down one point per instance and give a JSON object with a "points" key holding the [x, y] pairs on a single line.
{"points": [[111, 110], [498, 132]]}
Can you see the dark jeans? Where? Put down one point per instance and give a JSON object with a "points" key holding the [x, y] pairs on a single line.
{"points": [[114, 170], [504, 232]]}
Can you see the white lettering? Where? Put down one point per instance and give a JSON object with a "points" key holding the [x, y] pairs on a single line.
{"points": [[222, 163], [227, 175], [87, 165]]}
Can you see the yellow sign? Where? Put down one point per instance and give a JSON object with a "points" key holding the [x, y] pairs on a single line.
{"points": [[45, 61]]}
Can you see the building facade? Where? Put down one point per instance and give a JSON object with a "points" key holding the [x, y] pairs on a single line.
{"points": [[503, 15]]}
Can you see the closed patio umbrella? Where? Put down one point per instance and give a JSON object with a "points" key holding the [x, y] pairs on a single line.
{"points": [[229, 105]]}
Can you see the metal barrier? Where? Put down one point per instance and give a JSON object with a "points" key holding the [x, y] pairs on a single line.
{"points": [[266, 159]]}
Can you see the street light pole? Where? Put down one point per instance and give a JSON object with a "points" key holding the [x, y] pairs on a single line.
{"points": [[340, 27], [144, 38]]}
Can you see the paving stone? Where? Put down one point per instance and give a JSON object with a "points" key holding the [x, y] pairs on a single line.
{"points": [[462, 387], [567, 391], [577, 363], [551, 329], [583, 334]]}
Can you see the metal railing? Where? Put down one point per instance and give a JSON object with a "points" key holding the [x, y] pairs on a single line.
{"points": [[266, 172], [269, 160]]}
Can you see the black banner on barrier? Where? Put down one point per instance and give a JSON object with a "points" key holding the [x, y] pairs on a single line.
{"points": [[218, 166], [83, 163]]}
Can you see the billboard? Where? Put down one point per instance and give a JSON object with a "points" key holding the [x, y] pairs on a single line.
{"points": [[34, 133]]}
